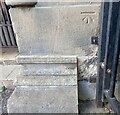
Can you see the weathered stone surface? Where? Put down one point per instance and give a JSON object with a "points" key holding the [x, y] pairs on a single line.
{"points": [[21, 2], [48, 65], [52, 99], [47, 81], [49, 69], [41, 3], [27, 59], [53, 30]]}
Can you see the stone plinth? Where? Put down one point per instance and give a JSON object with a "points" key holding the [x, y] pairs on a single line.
{"points": [[47, 84], [49, 38]]}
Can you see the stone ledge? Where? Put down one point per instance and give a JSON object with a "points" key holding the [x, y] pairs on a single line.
{"points": [[49, 69], [40, 3], [46, 59], [46, 81]]}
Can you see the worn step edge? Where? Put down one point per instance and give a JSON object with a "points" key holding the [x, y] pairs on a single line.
{"points": [[46, 59], [46, 81]]}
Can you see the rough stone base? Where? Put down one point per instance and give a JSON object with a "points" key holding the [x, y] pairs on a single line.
{"points": [[44, 99]]}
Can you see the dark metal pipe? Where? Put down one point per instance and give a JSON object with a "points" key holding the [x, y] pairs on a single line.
{"points": [[115, 57], [101, 54], [110, 43]]}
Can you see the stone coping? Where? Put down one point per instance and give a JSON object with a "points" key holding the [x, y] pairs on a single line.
{"points": [[46, 59]]}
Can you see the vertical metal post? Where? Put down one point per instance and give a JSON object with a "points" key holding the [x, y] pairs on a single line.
{"points": [[110, 43], [108, 70], [101, 53], [115, 57]]}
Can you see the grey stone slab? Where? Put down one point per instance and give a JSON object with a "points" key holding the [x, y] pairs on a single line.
{"points": [[46, 81], [44, 3], [24, 59], [42, 99], [53, 30], [49, 69]]}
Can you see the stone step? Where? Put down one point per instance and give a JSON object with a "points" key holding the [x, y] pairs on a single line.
{"points": [[40, 99], [46, 81], [36, 59], [49, 69], [48, 65]]}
